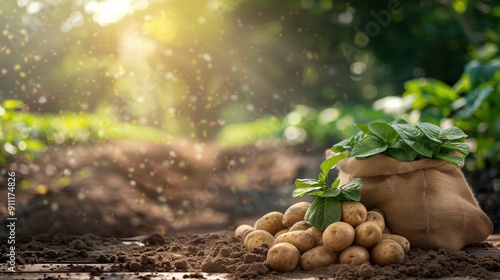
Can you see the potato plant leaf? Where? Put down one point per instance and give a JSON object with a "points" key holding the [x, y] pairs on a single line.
{"points": [[329, 163], [325, 209], [304, 183], [406, 142], [432, 131], [368, 147], [384, 131], [323, 212], [452, 133]]}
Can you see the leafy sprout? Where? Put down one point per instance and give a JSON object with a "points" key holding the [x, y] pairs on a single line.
{"points": [[326, 208]]}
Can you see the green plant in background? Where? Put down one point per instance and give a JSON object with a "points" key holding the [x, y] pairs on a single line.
{"points": [[471, 103], [326, 207], [407, 142], [28, 134]]}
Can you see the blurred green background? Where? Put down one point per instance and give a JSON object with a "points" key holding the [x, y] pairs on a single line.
{"points": [[237, 71]]}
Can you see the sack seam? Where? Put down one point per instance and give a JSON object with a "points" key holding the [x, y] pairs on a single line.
{"points": [[426, 205]]}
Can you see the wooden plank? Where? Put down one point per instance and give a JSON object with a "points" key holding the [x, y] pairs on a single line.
{"points": [[486, 251]]}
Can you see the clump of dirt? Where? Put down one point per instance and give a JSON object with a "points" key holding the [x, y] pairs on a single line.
{"points": [[222, 252]]}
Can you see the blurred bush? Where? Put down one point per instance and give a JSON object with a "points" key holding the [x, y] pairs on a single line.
{"points": [[27, 134], [471, 104]]}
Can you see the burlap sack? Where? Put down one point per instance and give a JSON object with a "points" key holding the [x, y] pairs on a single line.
{"points": [[427, 201]]}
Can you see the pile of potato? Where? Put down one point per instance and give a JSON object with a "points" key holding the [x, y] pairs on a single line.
{"points": [[361, 236]]}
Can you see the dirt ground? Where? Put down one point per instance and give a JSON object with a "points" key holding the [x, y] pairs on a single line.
{"points": [[222, 252]]}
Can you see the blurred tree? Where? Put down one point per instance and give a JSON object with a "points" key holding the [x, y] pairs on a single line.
{"points": [[191, 67]]}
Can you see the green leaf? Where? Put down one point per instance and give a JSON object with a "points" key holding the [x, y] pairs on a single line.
{"points": [[452, 133], [351, 195], [305, 183], [12, 104], [330, 163], [472, 101], [368, 147], [322, 178], [403, 154], [430, 130], [456, 160], [480, 72], [412, 136], [355, 184], [335, 184], [341, 146], [364, 128], [331, 193], [323, 212], [460, 147], [384, 132], [303, 191], [460, 6]]}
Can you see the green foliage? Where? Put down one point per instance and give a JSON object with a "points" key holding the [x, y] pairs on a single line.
{"points": [[471, 103], [28, 134], [407, 142], [325, 209]]}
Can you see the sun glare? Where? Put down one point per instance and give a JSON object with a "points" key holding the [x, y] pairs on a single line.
{"points": [[111, 11]]}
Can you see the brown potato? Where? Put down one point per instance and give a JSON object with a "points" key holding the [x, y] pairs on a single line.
{"points": [[354, 255], [246, 232], [317, 235], [338, 236], [376, 217], [386, 230], [378, 211], [270, 222], [283, 257], [387, 252], [353, 213], [301, 239], [257, 238], [319, 256], [241, 229], [398, 238], [367, 234], [281, 232], [295, 213], [300, 225]]}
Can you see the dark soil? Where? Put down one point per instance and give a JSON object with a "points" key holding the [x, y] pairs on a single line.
{"points": [[222, 252]]}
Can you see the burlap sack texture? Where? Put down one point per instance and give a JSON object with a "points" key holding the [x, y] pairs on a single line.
{"points": [[428, 201]]}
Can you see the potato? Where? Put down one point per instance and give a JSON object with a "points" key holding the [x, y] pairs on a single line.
{"points": [[386, 230], [246, 232], [317, 235], [319, 256], [283, 257], [376, 217], [301, 239], [270, 222], [387, 252], [295, 213], [353, 213], [257, 238], [301, 225], [398, 238], [338, 236], [378, 211], [367, 234], [241, 229], [354, 255], [280, 232]]}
